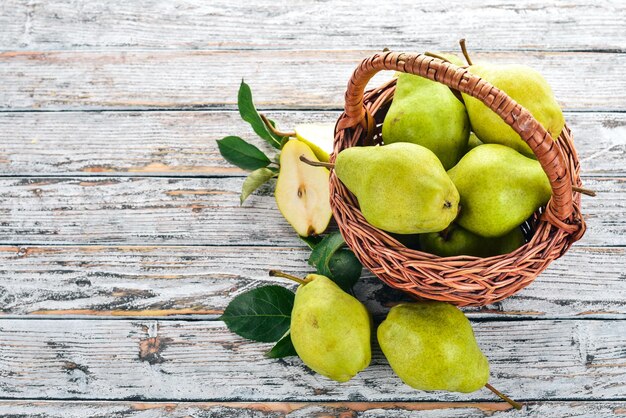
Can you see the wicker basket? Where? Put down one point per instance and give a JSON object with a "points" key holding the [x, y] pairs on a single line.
{"points": [[461, 280]]}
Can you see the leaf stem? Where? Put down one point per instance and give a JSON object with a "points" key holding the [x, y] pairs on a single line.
{"points": [[502, 396], [278, 273], [316, 163], [464, 50], [584, 191], [271, 127]]}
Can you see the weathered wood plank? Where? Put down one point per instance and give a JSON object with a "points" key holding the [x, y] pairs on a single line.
{"points": [[574, 24], [183, 143], [164, 281], [114, 360], [125, 409], [134, 143], [279, 79], [198, 211]]}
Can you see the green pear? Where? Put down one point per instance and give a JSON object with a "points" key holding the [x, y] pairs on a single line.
{"points": [[528, 88], [499, 188], [318, 136], [330, 329], [455, 240], [452, 58], [411, 241], [401, 188], [427, 113], [431, 346], [473, 142]]}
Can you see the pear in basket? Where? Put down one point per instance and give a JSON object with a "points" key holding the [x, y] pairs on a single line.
{"points": [[401, 187]]}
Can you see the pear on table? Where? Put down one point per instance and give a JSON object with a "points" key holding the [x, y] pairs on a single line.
{"points": [[330, 329], [319, 137], [401, 188], [431, 346], [427, 113], [499, 188], [301, 190]]}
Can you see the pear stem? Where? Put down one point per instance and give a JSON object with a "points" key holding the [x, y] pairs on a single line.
{"points": [[464, 50], [432, 54], [278, 273], [587, 192], [502, 396], [316, 163], [275, 131]]}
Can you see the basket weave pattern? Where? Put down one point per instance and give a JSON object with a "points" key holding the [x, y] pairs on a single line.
{"points": [[461, 280]]}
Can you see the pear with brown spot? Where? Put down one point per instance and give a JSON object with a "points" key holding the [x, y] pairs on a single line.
{"points": [[301, 191], [330, 329]]}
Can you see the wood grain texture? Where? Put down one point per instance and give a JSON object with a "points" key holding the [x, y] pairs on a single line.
{"points": [[525, 24], [183, 143], [121, 409], [198, 211], [140, 281], [279, 79], [175, 360]]}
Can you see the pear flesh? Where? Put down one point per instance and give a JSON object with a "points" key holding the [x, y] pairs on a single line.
{"points": [[301, 192], [319, 137], [528, 88], [427, 113], [401, 188], [456, 240], [330, 329], [431, 346], [500, 188]]}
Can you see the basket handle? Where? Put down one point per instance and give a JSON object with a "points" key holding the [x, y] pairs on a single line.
{"points": [[548, 152]]}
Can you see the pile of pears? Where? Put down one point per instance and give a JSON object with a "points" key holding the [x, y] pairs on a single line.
{"points": [[451, 175], [430, 345]]}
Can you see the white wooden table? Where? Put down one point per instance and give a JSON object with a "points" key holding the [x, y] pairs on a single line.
{"points": [[122, 238]]}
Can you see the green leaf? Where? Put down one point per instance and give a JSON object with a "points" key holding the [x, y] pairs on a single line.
{"points": [[321, 254], [284, 141], [311, 241], [283, 348], [249, 113], [346, 268], [262, 314], [255, 180], [337, 263], [241, 153]]}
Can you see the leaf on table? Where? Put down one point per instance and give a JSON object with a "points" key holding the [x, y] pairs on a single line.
{"points": [[241, 153], [283, 348], [321, 254], [249, 113], [335, 262], [311, 241], [345, 268], [262, 314], [255, 180]]}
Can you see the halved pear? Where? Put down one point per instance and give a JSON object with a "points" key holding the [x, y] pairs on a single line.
{"points": [[301, 191], [319, 137]]}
